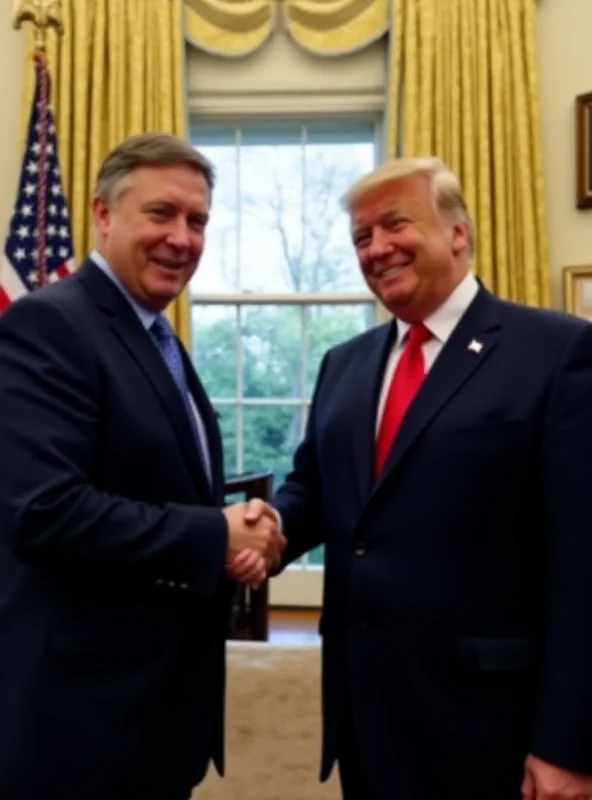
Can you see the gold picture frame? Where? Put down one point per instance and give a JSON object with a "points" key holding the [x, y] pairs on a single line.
{"points": [[584, 150], [577, 291]]}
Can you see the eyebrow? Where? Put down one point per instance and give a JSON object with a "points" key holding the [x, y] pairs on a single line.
{"points": [[357, 229], [388, 216], [202, 216], [392, 214]]}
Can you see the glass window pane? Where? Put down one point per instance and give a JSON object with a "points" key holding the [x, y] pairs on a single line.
{"points": [[218, 270], [329, 263], [271, 232], [214, 345], [276, 224], [231, 499], [271, 434], [317, 556], [350, 133], [328, 325], [271, 133], [227, 420], [272, 351]]}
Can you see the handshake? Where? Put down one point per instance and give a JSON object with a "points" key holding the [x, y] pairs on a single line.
{"points": [[255, 542]]}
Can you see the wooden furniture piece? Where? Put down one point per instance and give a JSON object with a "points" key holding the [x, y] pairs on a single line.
{"points": [[249, 614]]}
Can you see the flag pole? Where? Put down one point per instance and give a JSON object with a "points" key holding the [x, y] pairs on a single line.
{"points": [[43, 15]]}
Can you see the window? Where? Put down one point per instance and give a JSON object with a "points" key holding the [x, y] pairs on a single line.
{"points": [[279, 283]]}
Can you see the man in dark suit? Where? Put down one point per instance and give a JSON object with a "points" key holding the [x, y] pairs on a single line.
{"points": [[446, 468], [114, 545]]}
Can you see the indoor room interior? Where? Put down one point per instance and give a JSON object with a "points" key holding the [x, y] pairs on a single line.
{"points": [[292, 100]]}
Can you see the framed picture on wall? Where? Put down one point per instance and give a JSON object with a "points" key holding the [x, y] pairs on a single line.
{"points": [[577, 291], [584, 150]]}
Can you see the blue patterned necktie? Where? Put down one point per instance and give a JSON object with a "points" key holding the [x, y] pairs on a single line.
{"points": [[169, 349]]}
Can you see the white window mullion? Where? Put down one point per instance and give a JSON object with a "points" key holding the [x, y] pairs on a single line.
{"points": [[239, 391], [239, 317], [304, 361], [299, 298], [302, 209], [262, 401], [239, 215], [303, 350]]}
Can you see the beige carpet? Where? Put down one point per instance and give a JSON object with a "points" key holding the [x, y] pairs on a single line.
{"points": [[273, 726]]}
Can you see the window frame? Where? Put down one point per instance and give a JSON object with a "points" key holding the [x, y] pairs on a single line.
{"points": [[301, 585]]}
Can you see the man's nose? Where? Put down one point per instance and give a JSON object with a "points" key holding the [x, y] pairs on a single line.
{"points": [[178, 235], [379, 243]]}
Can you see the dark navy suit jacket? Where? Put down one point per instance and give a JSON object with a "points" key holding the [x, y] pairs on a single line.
{"points": [[458, 587], [113, 602]]}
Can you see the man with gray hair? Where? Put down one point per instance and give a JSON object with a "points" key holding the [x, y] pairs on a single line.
{"points": [[114, 546], [446, 470]]}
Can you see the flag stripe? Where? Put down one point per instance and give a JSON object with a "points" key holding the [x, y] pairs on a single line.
{"points": [[4, 300], [12, 284], [63, 270]]}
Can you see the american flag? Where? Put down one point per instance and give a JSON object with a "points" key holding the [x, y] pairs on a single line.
{"points": [[38, 247]]}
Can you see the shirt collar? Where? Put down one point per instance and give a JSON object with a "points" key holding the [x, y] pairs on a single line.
{"points": [[445, 319], [145, 316]]}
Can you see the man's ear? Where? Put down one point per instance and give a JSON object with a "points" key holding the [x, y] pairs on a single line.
{"points": [[460, 237], [101, 214]]}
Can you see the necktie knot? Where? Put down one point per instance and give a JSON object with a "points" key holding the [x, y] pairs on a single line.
{"points": [[418, 335], [161, 330]]}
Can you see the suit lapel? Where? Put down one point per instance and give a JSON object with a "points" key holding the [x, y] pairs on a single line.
{"points": [[368, 376], [210, 422], [135, 339], [470, 345]]}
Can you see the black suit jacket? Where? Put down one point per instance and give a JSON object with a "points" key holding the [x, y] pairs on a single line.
{"points": [[113, 604], [458, 587]]}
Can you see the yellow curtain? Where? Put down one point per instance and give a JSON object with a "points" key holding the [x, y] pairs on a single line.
{"points": [[234, 28], [465, 88], [116, 71]]}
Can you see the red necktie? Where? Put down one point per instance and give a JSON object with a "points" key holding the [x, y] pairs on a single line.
{"points": [[409, 374]]}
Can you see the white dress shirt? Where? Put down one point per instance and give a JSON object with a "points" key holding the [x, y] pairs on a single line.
{"points": [[440, 324]]}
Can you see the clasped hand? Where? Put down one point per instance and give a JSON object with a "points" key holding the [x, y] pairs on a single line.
{"points": [[255, 542], [543, 781]]}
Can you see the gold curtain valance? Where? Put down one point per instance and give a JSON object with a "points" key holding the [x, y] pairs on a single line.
{"points": [[336, 26], [229, 27], [235, 28]]}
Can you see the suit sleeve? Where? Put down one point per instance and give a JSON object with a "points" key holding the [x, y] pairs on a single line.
{"points": [[299, 499], [51, 514], [563, 728]]}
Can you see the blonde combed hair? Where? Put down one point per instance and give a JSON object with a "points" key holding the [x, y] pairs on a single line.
{"points": [[447, 191]]}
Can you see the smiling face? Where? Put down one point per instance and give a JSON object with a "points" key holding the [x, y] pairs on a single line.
{"points": [[411, 256], [152, 233]]}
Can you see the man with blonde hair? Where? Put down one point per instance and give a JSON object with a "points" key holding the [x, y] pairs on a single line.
{"points": [[114, 546], [445, 468]]}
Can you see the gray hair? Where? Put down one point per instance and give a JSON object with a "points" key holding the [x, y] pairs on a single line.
{"points": [[147, 150], [447, 192]]}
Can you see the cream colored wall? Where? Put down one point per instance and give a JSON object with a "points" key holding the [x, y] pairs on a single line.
{"points": [[11, 86], [565, 63]]}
